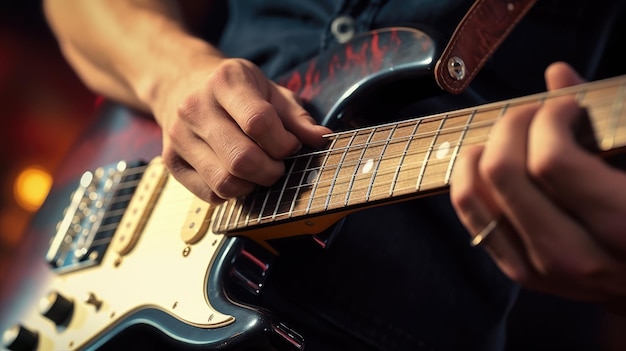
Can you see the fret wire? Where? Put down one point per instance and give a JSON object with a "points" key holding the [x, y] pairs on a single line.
{"points": [[232, 217], [580, 96], [618, 104], [401, 161], [262, 209], [382, 152], [222, 214], [458, 147], [318, 176], [339, 165], [239, 205], [427, 156], [598, 125], [280, 195], [297, 191], [227, 213], [231, 210], [251, 207], [357, 164], [218, 223]]}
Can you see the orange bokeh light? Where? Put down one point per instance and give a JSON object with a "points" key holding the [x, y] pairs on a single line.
{"points": [[31, 187]]}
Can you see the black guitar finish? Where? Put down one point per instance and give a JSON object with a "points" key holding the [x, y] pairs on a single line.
{"points": [[371, 77]]}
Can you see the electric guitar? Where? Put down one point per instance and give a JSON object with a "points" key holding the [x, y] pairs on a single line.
{"points": [[125, 248]]}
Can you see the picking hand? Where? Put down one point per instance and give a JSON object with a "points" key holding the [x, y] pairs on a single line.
{"points": [[227, 129]]}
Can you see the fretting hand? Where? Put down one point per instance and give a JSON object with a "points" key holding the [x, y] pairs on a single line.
{"points": [[560, 210]]}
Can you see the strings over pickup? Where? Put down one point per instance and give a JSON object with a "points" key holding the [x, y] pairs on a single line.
{"points": [[93, 215]]}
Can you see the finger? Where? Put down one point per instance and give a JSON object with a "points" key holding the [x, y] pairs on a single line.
{"points": [[296, 119], [560, 75], [202, 173], [476, 209], [546, 231], [236, 153], [577, 180], [244, 93], [241, 156]]}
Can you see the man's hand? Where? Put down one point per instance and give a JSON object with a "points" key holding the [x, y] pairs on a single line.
{"points": [[227, 129], [561, 211]]}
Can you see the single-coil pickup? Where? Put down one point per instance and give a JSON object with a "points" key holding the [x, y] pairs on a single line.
{"points": [[140, 207], [197, 221]]}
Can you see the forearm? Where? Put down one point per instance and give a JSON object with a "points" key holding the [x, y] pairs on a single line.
{"points": [[126, 50]]}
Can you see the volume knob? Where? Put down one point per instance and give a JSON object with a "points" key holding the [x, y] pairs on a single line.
{"points": [[19, 338], [56, 307]]}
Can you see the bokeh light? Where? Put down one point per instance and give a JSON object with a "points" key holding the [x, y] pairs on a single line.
{"points": [[31, 187]]}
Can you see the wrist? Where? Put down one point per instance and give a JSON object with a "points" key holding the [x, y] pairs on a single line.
{"points": [[174, 60]]}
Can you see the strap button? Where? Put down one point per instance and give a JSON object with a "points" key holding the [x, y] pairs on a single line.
{"points": [[342, 28]]}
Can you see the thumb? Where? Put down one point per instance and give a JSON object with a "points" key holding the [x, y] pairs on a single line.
{"points": [[560, 75], [296, 119]]}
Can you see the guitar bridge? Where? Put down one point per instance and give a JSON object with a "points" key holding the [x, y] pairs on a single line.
{"points": [[92, 217]]}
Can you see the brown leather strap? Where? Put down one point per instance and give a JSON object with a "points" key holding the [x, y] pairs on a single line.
{"points": [[479, 34]]}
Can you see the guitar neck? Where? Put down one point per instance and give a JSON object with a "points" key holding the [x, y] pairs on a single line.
{"points": [[397, 161]]}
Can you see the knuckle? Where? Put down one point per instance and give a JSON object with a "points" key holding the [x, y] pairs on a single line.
{"points": [[210, 195], [220, 184], [498, 171], [579, 268], [463, 197], [258, 120], [521, 274], [226, 187], [189, 108], [227, 71], [546, 165], [213, 198], [584, 269], [243, 163], [176, 130], [172, 161]]}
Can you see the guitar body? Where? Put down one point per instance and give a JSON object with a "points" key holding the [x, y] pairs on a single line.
{"points": [[105, 288]]}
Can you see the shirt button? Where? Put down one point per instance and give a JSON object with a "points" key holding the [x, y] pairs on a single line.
{"points": [[342, 28]]}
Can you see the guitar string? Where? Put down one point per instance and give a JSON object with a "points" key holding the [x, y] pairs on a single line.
{"points": [[356, 163], [96, 239], [523, 100], [424, 185], [595, 104], [412, 137], [403, 140]]}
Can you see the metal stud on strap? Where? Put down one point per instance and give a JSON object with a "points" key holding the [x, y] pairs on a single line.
{"points": [[478, 35]]}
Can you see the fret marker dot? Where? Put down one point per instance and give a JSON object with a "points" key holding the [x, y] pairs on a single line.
{"points": [[310, 179], [367, 167], [443, 149]]}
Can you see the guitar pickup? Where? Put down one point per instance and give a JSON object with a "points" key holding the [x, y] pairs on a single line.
{"points": [[140, 207]]}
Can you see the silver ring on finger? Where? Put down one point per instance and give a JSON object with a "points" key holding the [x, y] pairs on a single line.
{"points": [[480, 238]]}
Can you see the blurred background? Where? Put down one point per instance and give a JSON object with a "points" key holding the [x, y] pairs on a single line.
{"points": [[43, 108]]}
